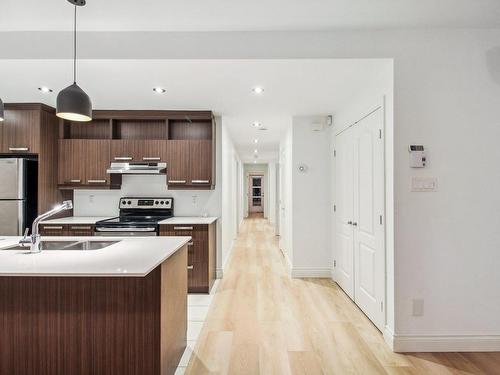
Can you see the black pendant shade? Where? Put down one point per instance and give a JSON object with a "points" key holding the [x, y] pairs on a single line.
{"points": [[74, 104], [1, 111]]}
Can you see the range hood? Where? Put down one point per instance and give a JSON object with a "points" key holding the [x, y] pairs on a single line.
{"points": [[137, 168]]}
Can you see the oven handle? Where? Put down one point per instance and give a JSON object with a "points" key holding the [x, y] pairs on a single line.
{"points": [[125, 229]]}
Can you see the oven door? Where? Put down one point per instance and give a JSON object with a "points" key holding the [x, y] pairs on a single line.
{"points": [[125, 232]]}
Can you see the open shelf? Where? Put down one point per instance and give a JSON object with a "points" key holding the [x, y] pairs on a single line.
{"points": [[189, 130], [95, 129], [140, 129]]}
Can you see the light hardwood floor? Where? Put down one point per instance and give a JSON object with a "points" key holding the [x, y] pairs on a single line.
{"points": [[263, 322]]}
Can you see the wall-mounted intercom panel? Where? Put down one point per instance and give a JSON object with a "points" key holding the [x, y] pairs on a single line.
{"points": [[418, 159]]}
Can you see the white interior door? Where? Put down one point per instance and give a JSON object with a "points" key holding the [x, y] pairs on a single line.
{"points": [[256, 194], [344, 233], [368, 220], [359, 231]]}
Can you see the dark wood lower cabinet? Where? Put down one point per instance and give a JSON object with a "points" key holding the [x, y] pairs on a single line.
{"points": [[201, 253], [95, 325], [81, 230]]}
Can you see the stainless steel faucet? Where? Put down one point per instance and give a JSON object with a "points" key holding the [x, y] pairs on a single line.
{"points": [[34, 240]]}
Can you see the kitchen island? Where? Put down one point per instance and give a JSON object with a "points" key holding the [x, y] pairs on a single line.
{"points": [[119, 309]]}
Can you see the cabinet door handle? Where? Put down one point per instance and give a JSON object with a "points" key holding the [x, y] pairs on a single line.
{"points": [[150, 158], [18, 148], [190, 267], [200, 181], [183, 228], [355, 224], [73, 182], [52, 227], [96, 181], [349, 222], [123, 157], [176, 181], [81, 228]]}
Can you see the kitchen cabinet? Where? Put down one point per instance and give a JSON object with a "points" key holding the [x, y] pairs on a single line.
{"points": [[190, 164], [74, 230], [21, 131], [83, 162], [201, 253], [127, 150]]}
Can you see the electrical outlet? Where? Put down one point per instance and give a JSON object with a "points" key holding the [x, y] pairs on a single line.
{"points": [[195, 199], [91, 198], [418, 307]]}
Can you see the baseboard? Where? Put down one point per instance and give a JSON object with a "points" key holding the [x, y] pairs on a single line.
{"points": [[442, 343], [302, 272], [389, 337]]}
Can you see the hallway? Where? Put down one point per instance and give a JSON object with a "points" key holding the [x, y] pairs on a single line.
{"points": [[263, 322]]}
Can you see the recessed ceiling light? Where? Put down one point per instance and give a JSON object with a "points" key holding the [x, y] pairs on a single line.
{"points": [[257, 124], [255, 150], [255, 141], [159, 90], [258, 90], [255, 161], [45, 90]]}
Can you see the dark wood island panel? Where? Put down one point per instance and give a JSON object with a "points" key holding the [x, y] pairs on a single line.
{"points": [[95, 325]]}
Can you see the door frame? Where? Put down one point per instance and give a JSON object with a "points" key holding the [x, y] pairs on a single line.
{"points": [[379, 105], [250, 188]]}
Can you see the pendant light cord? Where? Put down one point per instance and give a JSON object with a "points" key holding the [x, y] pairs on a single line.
{"points": [[74, 49]]}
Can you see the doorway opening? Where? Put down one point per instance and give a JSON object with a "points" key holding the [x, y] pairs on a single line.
{"points": [[256, 194]]}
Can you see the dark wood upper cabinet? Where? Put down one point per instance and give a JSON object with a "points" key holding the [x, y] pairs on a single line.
{"points": [[185, 140], [21, 131], [200, 163], [96, 154], [126, 150], [177, 163]]}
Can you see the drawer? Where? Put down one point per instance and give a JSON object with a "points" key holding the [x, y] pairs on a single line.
{"points": [[198, 231], [197, 251], [80, 230], [53, 229], [197, 277]]}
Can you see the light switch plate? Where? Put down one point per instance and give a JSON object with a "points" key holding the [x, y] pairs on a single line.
{"points": [[424, 184]]}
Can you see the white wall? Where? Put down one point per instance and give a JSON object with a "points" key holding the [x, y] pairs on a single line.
{"points": [[271, 192], [231, 168], [312, 204], [286, 197]]}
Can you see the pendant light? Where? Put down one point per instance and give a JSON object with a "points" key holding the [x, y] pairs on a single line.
{"points": [[72, 102], [2, 117]]}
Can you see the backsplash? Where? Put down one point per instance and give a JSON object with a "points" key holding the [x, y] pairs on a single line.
{"points": [[186, 203]]}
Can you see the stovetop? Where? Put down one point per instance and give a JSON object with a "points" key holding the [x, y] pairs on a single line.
{"points": [[141, 211]]}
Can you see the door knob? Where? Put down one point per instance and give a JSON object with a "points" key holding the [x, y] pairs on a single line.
{"points": [[355, 224], [349, 222]]}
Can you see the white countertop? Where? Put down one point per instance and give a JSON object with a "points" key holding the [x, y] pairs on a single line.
{"points": [[76, 220], [186, 220], [181, 220], [135, 256]]}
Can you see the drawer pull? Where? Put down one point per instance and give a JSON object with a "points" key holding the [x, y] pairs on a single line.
{"points": [[123, 157], [183, 228], [150, 158], [190, 267], [52, 227], [190, 243], [18, 148], [73, 182], [81, 228], [200, 181], [176, 181], [96, 181]]}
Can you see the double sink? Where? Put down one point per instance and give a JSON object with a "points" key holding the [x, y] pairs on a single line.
{"points": [[67, 245]]}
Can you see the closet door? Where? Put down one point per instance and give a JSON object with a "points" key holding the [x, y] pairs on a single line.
{"points": [[344, 188], [368, 228]]}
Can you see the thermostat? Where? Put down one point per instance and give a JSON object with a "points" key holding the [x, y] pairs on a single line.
{"points": [[418, 158]]}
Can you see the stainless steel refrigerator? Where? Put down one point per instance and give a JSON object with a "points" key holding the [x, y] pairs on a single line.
{"points": [[18, 194]]}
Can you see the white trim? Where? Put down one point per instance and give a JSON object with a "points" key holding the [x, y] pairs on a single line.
{"points": [[442, 343], [219, 271], [300, 272], [389, 337], [288, 263]]}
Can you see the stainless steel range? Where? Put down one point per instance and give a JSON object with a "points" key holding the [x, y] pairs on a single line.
{"points": [[138, 217]]}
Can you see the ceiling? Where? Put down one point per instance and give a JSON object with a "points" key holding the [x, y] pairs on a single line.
{"points": [[292, 87], [231, 15]]}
